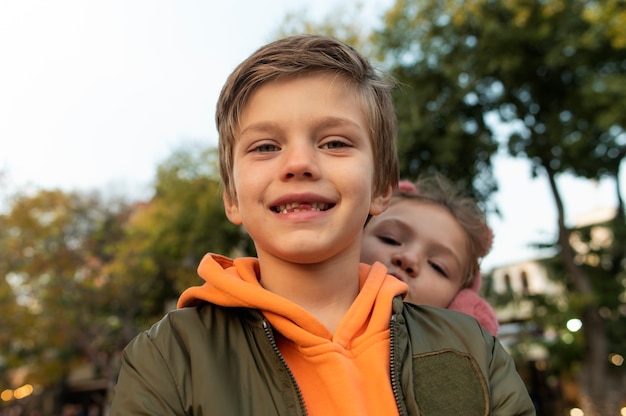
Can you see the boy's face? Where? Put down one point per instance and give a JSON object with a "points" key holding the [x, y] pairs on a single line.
{"points": [[421, 244], [303, 170]]}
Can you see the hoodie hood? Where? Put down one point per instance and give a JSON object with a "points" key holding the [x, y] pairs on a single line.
{"points": [[234, 283]]}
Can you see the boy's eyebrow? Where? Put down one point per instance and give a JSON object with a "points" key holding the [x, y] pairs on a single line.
{"points": [[319, 123], [260, 126], [330, 121]]}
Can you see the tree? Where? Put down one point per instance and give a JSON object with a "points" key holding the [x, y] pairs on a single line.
{"points": [[52, 246], [441, 109], [556, 71], [81, 276], [345, 22], [166, 237]]}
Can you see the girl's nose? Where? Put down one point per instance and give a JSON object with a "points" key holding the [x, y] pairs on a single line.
{"points": [[407, 262]]}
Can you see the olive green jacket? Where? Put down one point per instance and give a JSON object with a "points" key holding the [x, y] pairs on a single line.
{"points": [[212, 360]]}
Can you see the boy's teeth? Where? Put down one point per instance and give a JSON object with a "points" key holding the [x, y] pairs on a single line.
{"points": [[295, 207]]}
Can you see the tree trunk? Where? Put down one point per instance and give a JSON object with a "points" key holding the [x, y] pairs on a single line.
{"points": [[593, 381], [593, 375]]}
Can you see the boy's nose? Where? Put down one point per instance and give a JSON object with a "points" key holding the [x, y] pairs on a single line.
{"points": [[300, 162], [406, 262]]}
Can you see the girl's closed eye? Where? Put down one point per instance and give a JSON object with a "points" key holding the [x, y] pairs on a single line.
{"points": [[388, 240], [438, 268]]}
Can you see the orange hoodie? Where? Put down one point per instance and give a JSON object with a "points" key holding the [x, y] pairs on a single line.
{"points": [[345, 373]]}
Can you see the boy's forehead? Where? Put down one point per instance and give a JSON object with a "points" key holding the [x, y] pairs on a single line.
{"points": [[332, 77], [335, 82]]}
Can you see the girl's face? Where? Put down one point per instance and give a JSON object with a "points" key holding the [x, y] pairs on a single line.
{"points": [[423, 245]]}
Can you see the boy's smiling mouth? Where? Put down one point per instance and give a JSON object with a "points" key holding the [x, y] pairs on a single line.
{"points": [[301, 207]]}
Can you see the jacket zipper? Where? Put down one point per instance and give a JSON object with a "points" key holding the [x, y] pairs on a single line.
{"points": [[270, 336], [395, 384]]}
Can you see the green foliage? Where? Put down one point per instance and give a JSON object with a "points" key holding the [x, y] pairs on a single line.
{"points": [[554, 71], [82, 276], [166, 238], [52, 246], [346, 21], [442, 102]]}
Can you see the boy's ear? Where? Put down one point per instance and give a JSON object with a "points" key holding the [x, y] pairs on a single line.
{"points": [[232, 209], [380, 202]]}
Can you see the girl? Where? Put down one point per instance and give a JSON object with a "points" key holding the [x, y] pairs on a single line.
{"points": [[432, 237]]}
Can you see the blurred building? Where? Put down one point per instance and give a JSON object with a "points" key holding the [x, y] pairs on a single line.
{"points": [[517, 290]]}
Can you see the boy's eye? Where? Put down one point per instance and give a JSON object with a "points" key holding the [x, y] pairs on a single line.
{"points": [[265, 147], [334, 144], [388, 240]]}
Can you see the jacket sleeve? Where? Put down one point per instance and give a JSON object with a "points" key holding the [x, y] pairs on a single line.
{"points": [[509, 396], [145, 385]]}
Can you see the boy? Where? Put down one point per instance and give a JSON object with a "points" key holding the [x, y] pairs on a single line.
{"points": [[432, 237], [307, 153]]}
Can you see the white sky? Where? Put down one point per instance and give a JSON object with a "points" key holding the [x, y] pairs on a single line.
{"points": [[93, 95]]}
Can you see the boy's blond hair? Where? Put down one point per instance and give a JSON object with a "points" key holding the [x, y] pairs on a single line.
{"points": [[304, 55]]}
